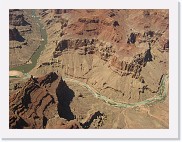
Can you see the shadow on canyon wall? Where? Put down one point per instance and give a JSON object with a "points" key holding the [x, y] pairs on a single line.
{"points": [[65, 96]]}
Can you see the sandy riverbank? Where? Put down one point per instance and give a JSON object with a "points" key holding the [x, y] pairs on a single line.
{"points": [[15, 73]]}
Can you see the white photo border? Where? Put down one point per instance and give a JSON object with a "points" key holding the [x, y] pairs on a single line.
{"points": [[171, 133]]}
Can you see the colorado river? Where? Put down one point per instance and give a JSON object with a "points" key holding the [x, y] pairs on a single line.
{"points": [[162, 93], [28, 67]]}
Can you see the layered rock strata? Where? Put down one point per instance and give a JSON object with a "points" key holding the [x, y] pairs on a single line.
{"points": [[36, 102], [24, 36], [121, 54], [98, 45]]}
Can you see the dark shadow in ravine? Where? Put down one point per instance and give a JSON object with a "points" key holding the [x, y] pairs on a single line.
{"points": [[65, 96], [20, 124], [88, 122]]}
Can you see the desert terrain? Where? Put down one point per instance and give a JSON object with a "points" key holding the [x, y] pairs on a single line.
{"points": [[89, 69], [24, 37]]}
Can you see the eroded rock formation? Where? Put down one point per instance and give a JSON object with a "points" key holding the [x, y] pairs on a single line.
{"points": [[16, 18], [24, 36], [121, 54], [36, 102], [15, 35], [44, 102]]}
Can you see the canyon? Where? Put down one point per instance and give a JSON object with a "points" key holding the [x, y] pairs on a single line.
{"points": [[99, 69], [24, 37]]}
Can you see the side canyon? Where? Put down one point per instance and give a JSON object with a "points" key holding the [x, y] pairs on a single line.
{"points": [[98, 69]]}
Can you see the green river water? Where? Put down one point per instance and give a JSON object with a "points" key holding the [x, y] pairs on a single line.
{"points": [[28, 67]]}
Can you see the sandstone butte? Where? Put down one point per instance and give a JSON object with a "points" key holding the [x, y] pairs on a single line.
{"points": [[100, 69]]}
